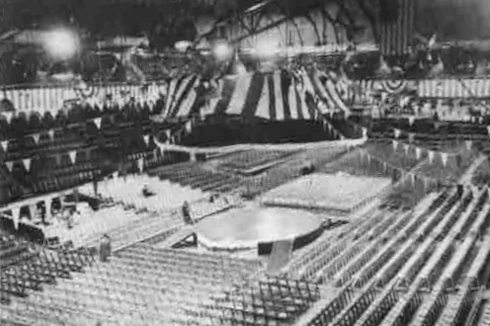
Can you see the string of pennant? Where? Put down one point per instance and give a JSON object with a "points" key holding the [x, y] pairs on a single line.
{"points": [[387, 166], [72, 155], [51, 132]]}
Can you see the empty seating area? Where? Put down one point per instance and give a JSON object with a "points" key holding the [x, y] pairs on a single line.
{"points": [[143, 286], [197, 177], [401, 268], [29, 277]]}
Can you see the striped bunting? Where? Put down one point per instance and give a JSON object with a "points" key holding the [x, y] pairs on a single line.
{"points": [[271, 96], [454, 88]]}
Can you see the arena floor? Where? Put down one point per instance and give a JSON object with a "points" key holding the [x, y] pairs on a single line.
{"points": [[338, 193], [245, 228]]}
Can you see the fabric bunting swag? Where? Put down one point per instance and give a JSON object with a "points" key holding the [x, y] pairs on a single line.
{"points": [[277, 96]]}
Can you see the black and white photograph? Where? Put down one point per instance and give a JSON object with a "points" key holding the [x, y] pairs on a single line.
{"points": [[244, 162]]}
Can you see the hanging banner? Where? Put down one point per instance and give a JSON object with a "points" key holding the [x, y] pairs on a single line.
{"points": [[4, 144], [141, 164], [10, 166], [73, 156], [397, 133], [35, 137], [98, 122], [27, 164]]}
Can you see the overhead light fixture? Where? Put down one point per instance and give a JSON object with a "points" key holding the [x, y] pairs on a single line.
{"points": [[61, 44]]}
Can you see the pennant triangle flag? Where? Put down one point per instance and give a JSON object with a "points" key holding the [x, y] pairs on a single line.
{"points": [[395, 144], [10, 166], [16, 217], [444, 158], [27, 164], [411, 120], [188, 126], [141, 164], [418, 152], [431, 156], [4, 144], [9, 116], [147, 139], [98, 122], [397, 133], [36, 138], [51, 134], [73, 156], [411, 137]]}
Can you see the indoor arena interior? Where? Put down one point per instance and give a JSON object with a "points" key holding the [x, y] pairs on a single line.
{"points": [[245, 163]]}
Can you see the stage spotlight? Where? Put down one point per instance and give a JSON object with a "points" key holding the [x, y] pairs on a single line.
{"points": [[222, 51], [61, 44], [182, 46], [266, 49]]}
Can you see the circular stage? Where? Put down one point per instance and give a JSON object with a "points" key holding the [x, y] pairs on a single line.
{"points": [[248, 227]]}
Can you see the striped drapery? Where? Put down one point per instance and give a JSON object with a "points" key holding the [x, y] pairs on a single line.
{"points": [[454, 88], [274, 96], [51, 99], [396, 37]]}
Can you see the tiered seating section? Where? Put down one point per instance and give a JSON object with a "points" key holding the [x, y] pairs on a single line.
{"points": [[401, 268], [196, 176], [48, 141]]}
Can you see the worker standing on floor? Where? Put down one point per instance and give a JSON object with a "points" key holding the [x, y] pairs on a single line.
{"points": [[105, 248], [186, 213]]}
